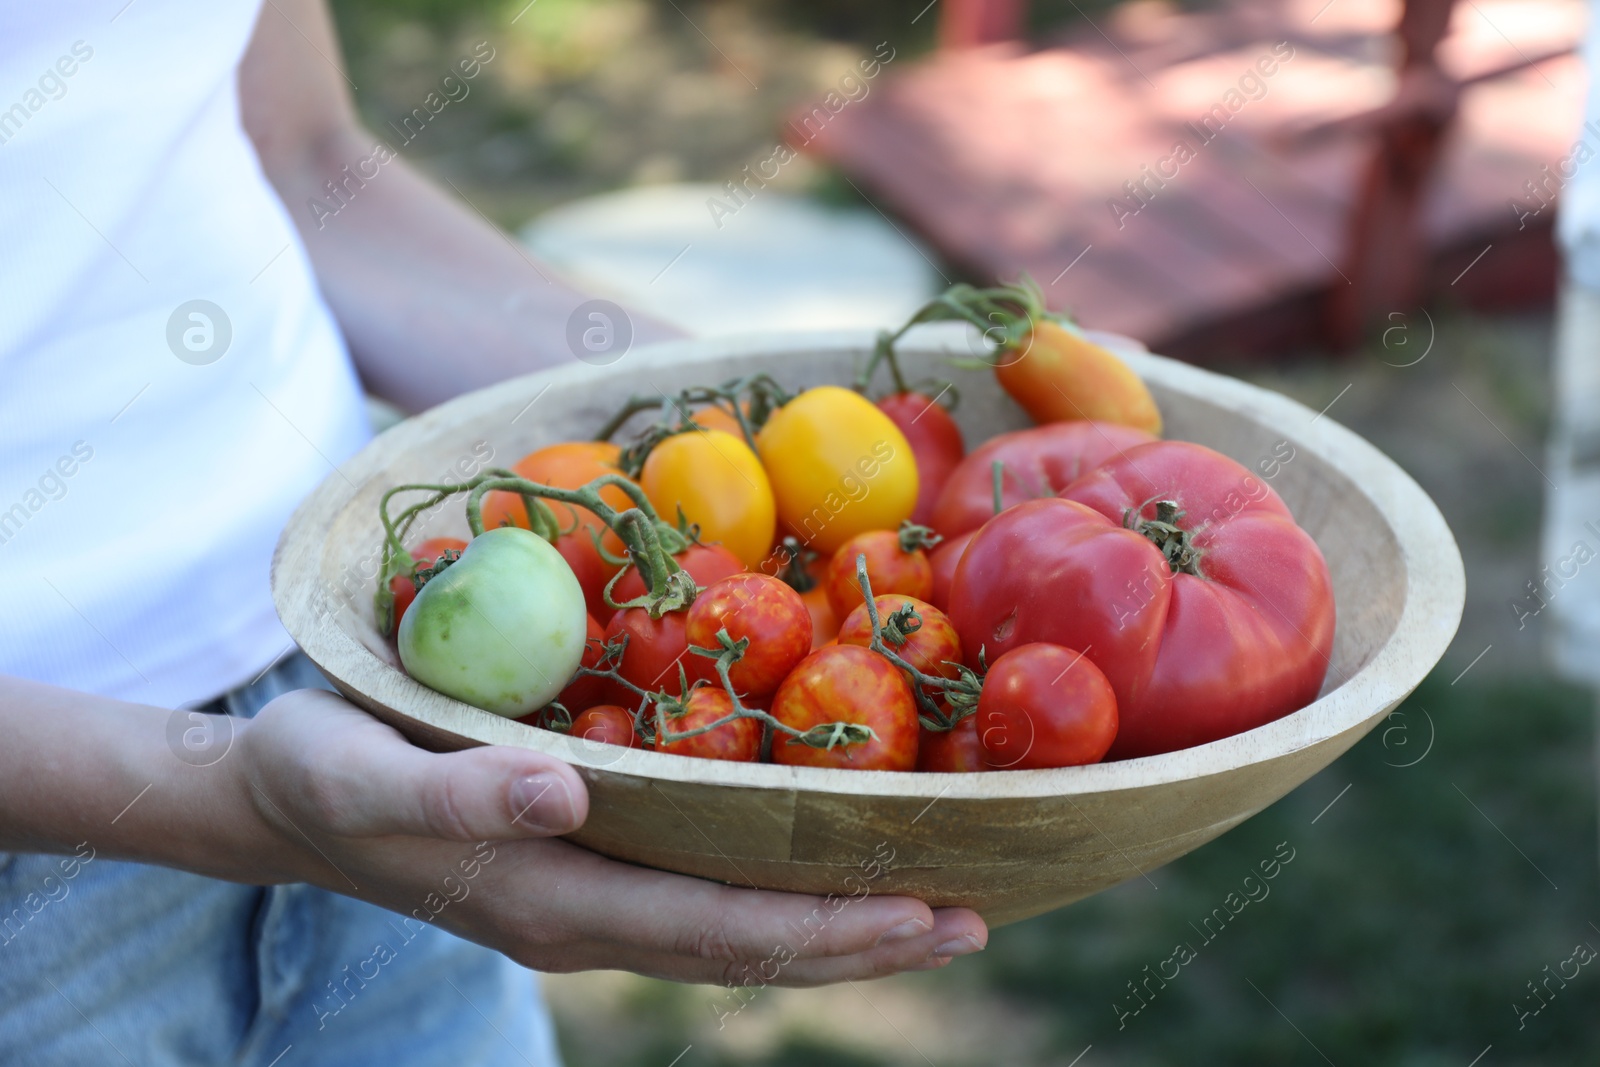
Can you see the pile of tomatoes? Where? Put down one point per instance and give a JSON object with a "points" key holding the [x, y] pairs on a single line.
{"points": [[817, 578]]}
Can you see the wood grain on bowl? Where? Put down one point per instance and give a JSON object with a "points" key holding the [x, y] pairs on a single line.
{"points": [[1010, 844]]}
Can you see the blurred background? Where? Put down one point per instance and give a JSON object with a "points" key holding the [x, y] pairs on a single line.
{"points": [[1367, 231]]}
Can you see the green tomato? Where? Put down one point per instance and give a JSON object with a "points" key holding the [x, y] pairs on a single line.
{"points": [[502, 628]]}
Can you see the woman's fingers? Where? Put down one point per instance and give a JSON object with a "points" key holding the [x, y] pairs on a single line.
{"points": [[693, 930], [356, 777]]}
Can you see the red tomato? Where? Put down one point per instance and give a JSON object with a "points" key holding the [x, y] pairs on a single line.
{"points": [[764, 610], [606, 724], [933, 649], [1045, 706], [890, 568], [844, 683], [426, 554], [578, 549], [739, 740], [585, 690], [1236, 631], [943, 559], [706, 564], [655, 648], [952, 751], [935, 441], [1037, 463]]}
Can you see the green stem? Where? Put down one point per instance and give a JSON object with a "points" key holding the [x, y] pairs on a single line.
{"points": [[998, 470]]}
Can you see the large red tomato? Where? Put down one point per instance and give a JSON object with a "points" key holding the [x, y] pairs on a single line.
{"points": [[845, 683], [1225, 627], [1045, 706], [757, 608], [1035, 463], [739, 740], [935, 441]]}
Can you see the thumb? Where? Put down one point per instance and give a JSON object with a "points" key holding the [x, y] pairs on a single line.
{"points": [[489, 793]]}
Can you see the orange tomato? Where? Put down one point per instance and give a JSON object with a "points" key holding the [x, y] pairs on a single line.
{"points": [[568, 465], [890, 569], [1059, 375]]}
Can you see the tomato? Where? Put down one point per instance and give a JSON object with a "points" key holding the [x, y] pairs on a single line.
{"points": [[606, 724], [838, 466], [404, 587], [761, 609], [891, 568], [739, 740], [569, 465], [935, 441], [845, 683], [585, 691], [952, 751], [1058, 374], [706, 564], [1230, 630], [806, 576], [656, 647], [502, 628], [1036, 463], [592, 572], [943, 559], [1045, 706], [721, 487], [934, 648]]}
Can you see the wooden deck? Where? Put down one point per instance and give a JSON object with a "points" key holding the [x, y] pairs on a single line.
{"points": [[1065, 161]]}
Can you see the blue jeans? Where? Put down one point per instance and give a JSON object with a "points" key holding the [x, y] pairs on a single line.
{"points": [[105, 962]]}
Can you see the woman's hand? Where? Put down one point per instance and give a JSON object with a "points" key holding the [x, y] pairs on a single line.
{"points": [[372, 816]]}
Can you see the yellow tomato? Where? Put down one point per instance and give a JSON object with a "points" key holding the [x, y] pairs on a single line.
{"points": [[838, 466], [718, 482]]}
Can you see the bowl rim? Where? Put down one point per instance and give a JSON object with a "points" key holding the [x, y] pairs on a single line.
{"points": [[1434, 597]]}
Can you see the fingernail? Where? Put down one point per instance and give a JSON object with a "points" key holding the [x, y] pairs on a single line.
{"points": [[961, 946], [541, 802], [932, 964], [901, 931]]}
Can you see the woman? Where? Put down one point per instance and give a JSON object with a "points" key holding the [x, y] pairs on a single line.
{"points": [[207, 860]]}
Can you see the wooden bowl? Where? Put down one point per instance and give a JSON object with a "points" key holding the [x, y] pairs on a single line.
{"points": [[1010, 844]]}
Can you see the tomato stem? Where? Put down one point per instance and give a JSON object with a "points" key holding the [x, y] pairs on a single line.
{"points": [[913, 537], [1176, 544], [997, 471]]}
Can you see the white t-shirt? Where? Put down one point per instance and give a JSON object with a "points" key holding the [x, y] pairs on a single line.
{"points": [[1578, 221], [146, 470]]}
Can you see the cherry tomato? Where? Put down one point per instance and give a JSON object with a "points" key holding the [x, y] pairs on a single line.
{"points": [[1227, 627], [1045, 706], [1035, 463], [606, 724], [809, 581], [952, 751], [706, 564], [585, 690], [845, 683], [838, 466], [404, 587], [890, 568], [932, 649], [655, 649], [715, 417], [943, 559], [721, 487], [935, 440], [739, 740], [568, 465], [1059, 374], [761, 609]]}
